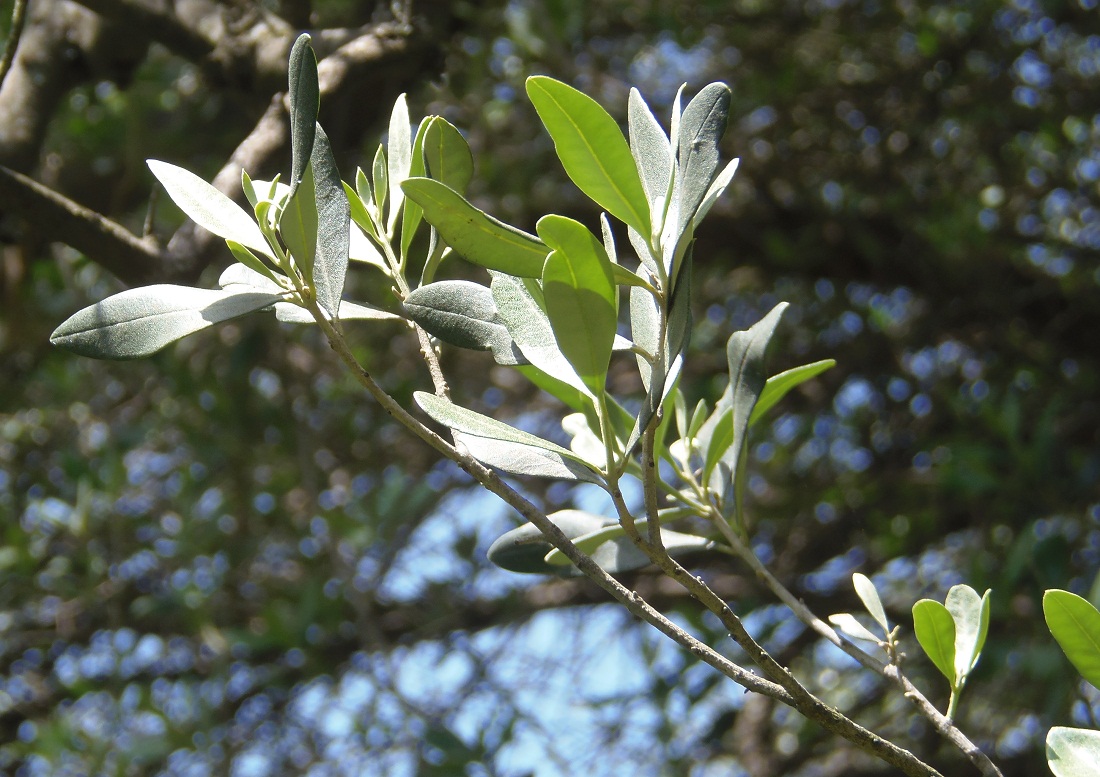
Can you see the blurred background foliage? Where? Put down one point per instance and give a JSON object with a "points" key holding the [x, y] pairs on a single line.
{"points": [[225, 560]]}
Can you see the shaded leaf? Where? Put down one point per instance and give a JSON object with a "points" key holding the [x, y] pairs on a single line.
{"points": [[592, 150], [625, 555], [208, 207], [701, 127], [298, 224], [305, 96], [779, 385], [522, 549], [1075, 625], [461, 313], [475, 235], [138, 322], [334, 225]]}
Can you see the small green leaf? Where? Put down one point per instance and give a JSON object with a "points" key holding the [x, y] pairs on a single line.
{"points": [[1075, 624], [447, 155], [779, 385], [476, 235], [615, 552], [971, 615], [935, 630], [289, 313], [1073, 752], [250, 260], [139, 322], [399, 158], [868, 594], [305, 96], [847, 623], [581, 297], [208, 207], [592, 150], [380, 176], [411, 212], [298, 224], [701, 127]]}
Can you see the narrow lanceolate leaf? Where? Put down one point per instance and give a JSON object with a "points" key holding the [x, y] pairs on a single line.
{"points": [[333, 227], [243, 275], [745, 353], [141, 321], [676, 544], [592, 150], [1073, 752], [305, 97], [650, 148], [518, 459], [248, 259], [1075, 624], [721, 181], [398, 158], [779, 385], [447, 155], [935, 630], [581, 297], [208, 207], [474, 234], [411, 212], [701, 127], [298, 224], [461, 313], [522, 549], [847, 623], [868, 594], [971, 625], [522, 307], [461, 419]]}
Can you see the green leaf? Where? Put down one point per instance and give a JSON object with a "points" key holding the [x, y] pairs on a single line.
{"points": [[399, 158], [334, 225], [298, 224], [779, 385], [745, 352], [592, 150], [971, 615], [251, 261], [868, 594], [1073, 752], [381, 179], [676, 545], [447, 155], [208, 207], [1075, 624], [847, 623], [141, 321], [461, 419], [522, 307], [530, 460], [581, 297], [717, 187], [701, 127], [463, 313], [522, 549], [935, 630], [476, 235], [305, 95], [411, 212], [651, 150]]}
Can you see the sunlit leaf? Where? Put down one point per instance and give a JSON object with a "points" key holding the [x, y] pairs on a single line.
{"points": [[398, 158], [971, 615], [411, 212], [1073, 752], [290, 313], [138, 322], [780, 384], [581, 297], [447, 155], [868, 594], [334, 225], [475, 235], [522, 549], [935, 630], [676, 545], [461, 313], [650, 148], [1075, 625], [519, 459], [847, 623], [298, 224], [208, 207], [592, 150]]}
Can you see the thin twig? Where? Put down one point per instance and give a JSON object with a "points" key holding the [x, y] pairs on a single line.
{"points": [[18, 16]]}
